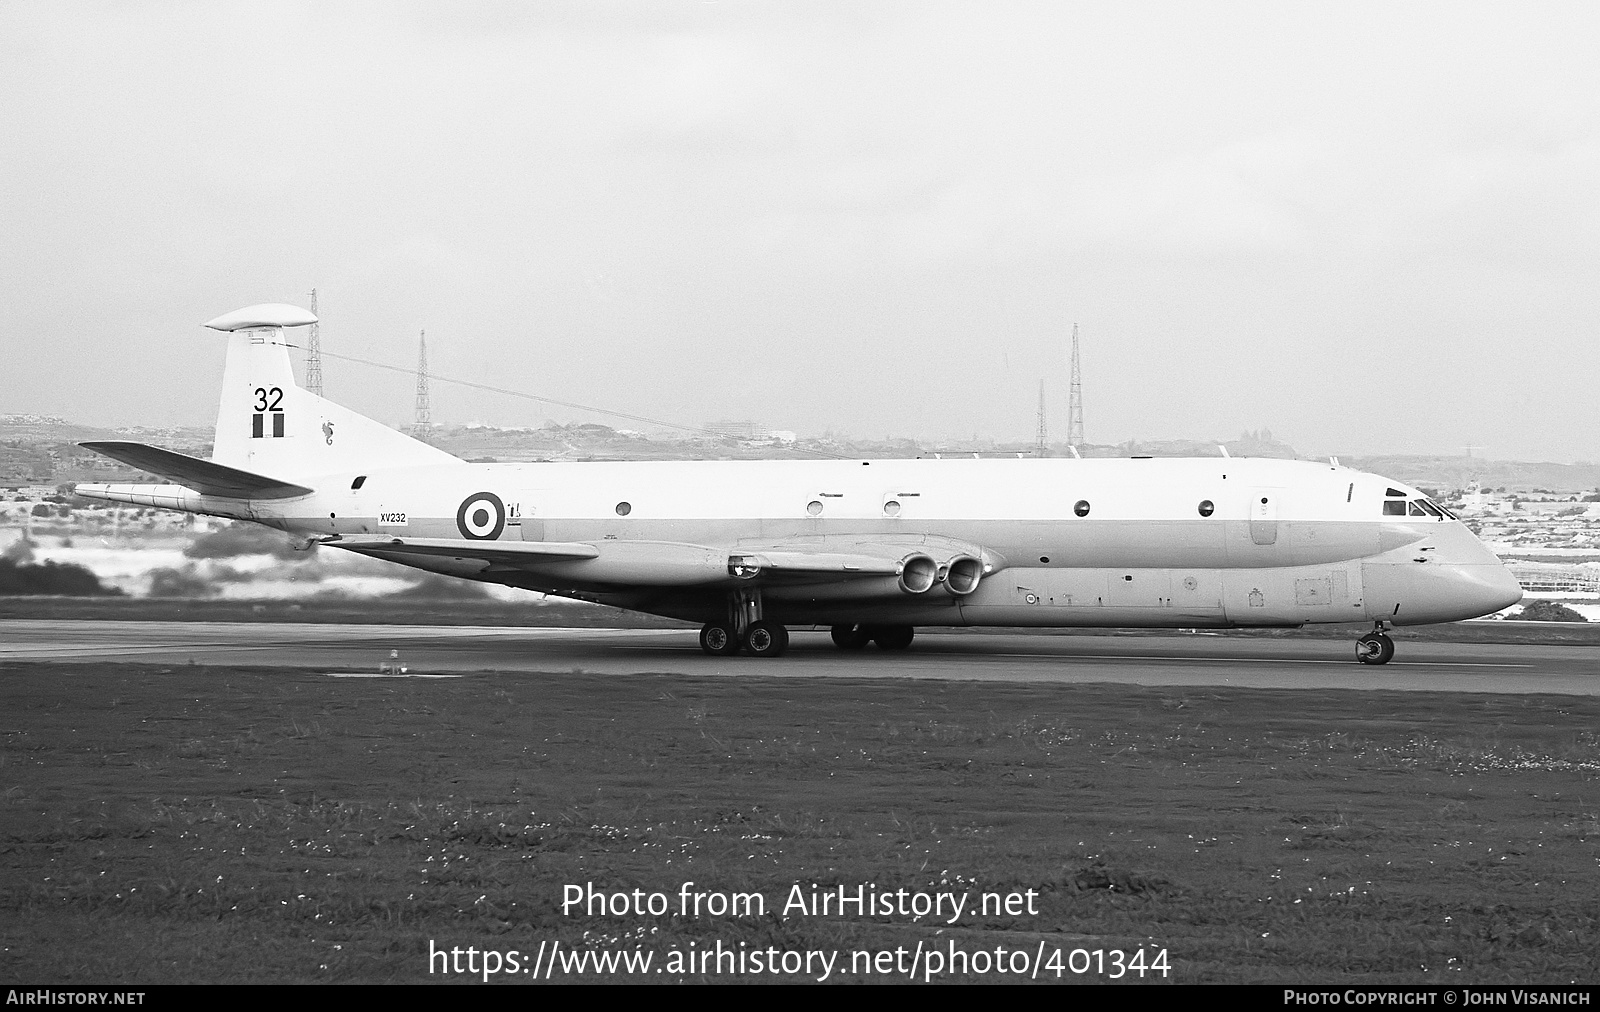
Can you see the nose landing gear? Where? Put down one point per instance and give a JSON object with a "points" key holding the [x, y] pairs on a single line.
{"points": [[1375, 647]]}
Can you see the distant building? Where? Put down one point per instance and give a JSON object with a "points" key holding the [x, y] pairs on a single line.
{"points": [[742, 429], [1549, 578], [31, 420]]}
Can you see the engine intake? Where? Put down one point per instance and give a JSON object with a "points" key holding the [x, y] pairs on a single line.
{"points": [[962, 574], [918, 574]]}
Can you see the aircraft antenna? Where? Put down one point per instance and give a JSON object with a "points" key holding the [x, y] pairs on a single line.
{"points": [[1075, 398], [314, 353], [424, 420], [1043, 448]]}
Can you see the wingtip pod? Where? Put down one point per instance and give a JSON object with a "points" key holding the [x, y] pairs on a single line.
{"points": [[271, 314]]}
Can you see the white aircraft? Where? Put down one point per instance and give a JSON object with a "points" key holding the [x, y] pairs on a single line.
{"points": [[872, 548]]}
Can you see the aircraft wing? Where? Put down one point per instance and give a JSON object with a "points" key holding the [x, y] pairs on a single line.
{"points": [[917, 562], [785, 564], [909, 566], [461, 548], [204, 476]]}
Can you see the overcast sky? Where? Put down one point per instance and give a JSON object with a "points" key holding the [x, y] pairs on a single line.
{"points": [[1368, 227]]}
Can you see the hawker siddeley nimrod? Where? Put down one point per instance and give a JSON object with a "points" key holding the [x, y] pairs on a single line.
{"points": [[872, 548]]}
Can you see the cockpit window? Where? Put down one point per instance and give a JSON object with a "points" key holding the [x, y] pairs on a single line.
{"points": [[1395, 493], [1415, 508]]}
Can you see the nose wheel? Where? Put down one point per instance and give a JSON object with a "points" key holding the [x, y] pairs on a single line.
{"points": [[1375, 648]]}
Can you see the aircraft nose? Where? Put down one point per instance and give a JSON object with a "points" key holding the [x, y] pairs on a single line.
{"points": [[1419, 593], [1485, 589]]}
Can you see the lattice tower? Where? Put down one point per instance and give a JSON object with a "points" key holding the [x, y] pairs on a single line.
{"points": [[424, 419], [1042, 447], [314, 353], [1075, 397]]}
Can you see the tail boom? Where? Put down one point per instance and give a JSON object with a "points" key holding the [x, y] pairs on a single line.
{"points": [[168, 497]]}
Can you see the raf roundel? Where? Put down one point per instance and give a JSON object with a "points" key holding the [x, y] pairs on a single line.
{"points": [[482, 517]]}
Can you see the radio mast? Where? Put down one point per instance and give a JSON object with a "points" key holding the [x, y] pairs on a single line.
{"points": [[1042, 448], [314, 353], [424, 420], [1075, 398]]}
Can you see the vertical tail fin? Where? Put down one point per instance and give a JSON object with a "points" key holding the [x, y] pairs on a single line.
{"points": [[268, 425]]}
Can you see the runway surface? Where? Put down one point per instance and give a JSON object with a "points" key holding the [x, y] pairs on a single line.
{"points": [[1180, 660]]}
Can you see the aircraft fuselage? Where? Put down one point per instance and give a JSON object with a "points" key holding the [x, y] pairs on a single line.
{"points": [[1162, 542]]}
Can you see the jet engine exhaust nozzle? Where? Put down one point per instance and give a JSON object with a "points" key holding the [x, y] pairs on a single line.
{"points": [[962, 574], [918, 574]]}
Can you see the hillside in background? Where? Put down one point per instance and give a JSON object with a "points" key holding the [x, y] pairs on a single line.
{"points": [[38, 450]]}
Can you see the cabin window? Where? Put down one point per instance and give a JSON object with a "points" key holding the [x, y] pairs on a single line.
{"points": [[1394, 508], [623, 509], [1081, 507], [1207, 507], [891, 508], [360, 481], [814, 507]]}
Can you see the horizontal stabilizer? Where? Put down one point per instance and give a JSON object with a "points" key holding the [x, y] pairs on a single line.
{"points": [[204, 476], [462, 548]]}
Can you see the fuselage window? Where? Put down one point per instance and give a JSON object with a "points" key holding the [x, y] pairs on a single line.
{"points": [[1394, 508], [360, 481], [1081, 507], [1207, 507], [623, 509]]}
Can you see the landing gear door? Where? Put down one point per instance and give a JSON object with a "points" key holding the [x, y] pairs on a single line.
{"points": [[1264, 515]]}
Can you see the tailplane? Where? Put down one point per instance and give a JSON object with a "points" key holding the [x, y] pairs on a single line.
{"points": [[204, 476], [267, 425]]}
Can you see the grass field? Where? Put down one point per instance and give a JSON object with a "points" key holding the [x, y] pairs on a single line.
{"points": [[206, 824]]}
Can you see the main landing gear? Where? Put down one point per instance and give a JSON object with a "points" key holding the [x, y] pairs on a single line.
{"points": [[745, 629], [888, 637], [1375, 647], [760, 639]]}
